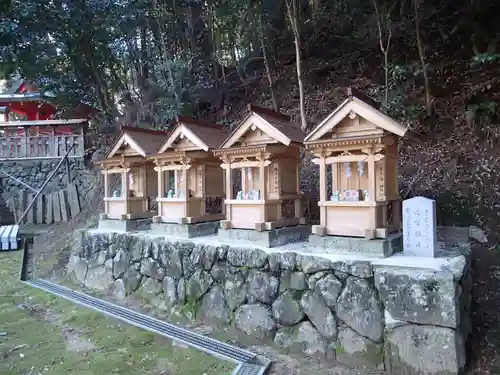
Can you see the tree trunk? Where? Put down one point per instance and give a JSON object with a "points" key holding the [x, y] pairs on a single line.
{"points": [[385, 50], [421, 54], [266, 63], [292, 15], [144, 71]]}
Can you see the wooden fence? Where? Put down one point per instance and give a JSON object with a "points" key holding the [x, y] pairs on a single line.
{"points": [[50, 208], [42, 139], [40, 147]]}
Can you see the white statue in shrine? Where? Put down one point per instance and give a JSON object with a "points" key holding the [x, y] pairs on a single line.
{"points": [[361, 167], [347, 169]]}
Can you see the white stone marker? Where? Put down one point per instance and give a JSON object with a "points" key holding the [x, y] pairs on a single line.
{"points": [[419, 227]]}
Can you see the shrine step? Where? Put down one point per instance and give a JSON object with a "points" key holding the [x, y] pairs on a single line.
{"points": [[376, 248], [267, 238], [124, 225], [186, 230]]}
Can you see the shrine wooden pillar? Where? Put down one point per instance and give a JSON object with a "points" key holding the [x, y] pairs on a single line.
{"points": [[160, 194], [298, 202], [335, 178], [372, 186], [184, 188], [263, 186], [106, 182], [125, 187], [229, 187], [322, 188], [372, 181]]}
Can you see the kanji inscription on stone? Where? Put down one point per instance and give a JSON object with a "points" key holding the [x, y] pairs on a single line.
{"points": [[419, 227]]}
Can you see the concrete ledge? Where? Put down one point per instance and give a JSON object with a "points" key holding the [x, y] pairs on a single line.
{"points": [[186, 230], [376, 248], [117, 225], [269, 238]]}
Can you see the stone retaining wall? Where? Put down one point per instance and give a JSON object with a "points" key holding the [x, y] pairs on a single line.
{"points": [[35, 172], [406, 320]]}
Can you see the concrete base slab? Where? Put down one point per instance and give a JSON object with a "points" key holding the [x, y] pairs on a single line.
{"points": [[186, 230], [268, 238], [117, 225], [376, 248]]}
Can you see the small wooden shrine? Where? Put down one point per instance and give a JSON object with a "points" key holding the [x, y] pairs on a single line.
{"points": [[357, 150], [265, 149], [130, 181], [190, 180]]}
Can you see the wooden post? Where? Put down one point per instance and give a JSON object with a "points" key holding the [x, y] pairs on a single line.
{"points": [[68, 170], [40, 209], [263, 188], [372, 182], [298, 201], [43, 185], [335, 178], [55, 151], [65, 212], [125, 188], [142, 187], [106, 189], [106, 182], [144, 177], [49, 213], [161, 182], [229, 189], [31, 217], [185, 189], [81, 142], [176, 181], [160, 187], [201, 172], [274, 174], [26, 145], [322, 190], [244, 180], [56, 202], [73, 200]]}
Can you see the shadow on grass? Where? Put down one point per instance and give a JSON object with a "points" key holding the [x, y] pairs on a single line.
{"points": [[40, 333]]}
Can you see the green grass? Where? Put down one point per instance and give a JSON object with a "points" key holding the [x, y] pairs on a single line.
{"points": [[40, 333]]}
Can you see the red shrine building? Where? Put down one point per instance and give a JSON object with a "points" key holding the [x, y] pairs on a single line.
{"points": [[33, 127]]}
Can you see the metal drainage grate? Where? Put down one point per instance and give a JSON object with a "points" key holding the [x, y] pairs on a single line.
{"points": [[248, 364], [249, 369]]}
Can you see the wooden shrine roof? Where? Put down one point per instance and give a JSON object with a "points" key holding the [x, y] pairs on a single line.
{"points": [[211, 134], [361, 105], [289, 132], [206, 135], [280, 121], [145, 141]]}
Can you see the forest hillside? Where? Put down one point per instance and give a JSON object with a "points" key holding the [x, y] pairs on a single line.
{"points": [[433, 65]]}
